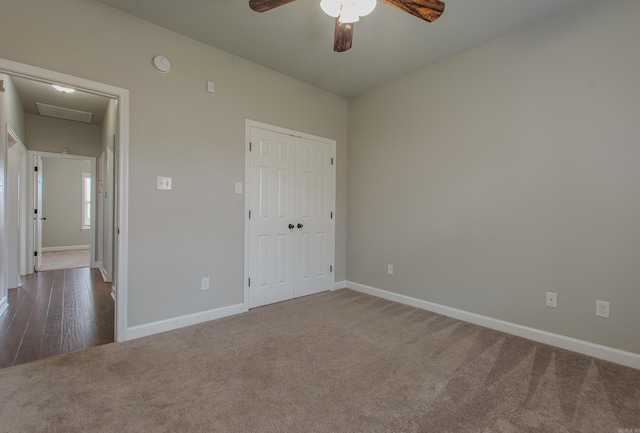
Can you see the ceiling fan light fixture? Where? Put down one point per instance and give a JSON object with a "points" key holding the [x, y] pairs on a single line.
{"points": [[63, 89], [349, 11]]}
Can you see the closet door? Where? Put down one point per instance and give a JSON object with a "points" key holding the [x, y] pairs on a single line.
{"points": [[314, 217], [271, 240], [291, 230]]}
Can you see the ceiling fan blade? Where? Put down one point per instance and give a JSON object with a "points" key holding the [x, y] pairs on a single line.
{"points": [[267, 5], [342, 37], [428, 10]]}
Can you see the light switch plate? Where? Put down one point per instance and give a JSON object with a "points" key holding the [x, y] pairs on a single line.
{"points": [[238, 187], [164, 183], [204, 285], [211, 87]]}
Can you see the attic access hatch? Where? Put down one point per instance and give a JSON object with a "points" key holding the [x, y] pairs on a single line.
{"points": [[64, 113]]}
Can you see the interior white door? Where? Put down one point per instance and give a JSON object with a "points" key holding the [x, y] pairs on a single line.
{"points": [[314, 217], [272, 219], [38, 218], [108, 217], [100, 212], [291, 229]]}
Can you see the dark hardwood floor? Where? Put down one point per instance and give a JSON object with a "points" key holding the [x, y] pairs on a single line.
{"points": [[56, 312]]}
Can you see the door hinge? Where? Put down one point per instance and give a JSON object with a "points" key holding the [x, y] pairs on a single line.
{"points": [[330, 268], [249, 146], [35, 168], [331, 161], [35, 211], [249, 214], [118, 230], [249, 282], [331, 215], [35, 254]]}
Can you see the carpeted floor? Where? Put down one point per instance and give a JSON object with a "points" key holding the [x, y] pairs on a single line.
{"points": [[67, 259], [335, 362]]}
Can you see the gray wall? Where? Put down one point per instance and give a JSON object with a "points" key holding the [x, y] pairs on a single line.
{"points": [[507, 171], [48, 134], [11, 110], [62, 202], [177, 129]]}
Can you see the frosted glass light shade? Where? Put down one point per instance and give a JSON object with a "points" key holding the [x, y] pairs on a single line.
{"points": [[349, 11], [349, 15], [63, 89], [331, 7], [364, 7]]}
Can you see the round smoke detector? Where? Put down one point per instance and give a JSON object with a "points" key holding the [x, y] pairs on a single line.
{"points": [[161, 64]]}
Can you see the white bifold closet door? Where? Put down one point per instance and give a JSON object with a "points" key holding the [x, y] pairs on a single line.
{"points": [[291, 227]]}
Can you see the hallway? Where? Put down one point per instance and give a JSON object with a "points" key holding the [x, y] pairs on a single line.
{"points": [[56, 312]]}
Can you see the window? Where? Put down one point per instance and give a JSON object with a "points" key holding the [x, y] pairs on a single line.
{"points": [[86, 201]]}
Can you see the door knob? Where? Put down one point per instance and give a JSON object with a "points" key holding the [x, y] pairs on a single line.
{"points": [[291, 226], [300, 226]]}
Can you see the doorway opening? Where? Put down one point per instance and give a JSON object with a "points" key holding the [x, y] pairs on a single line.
{"points": [[119, 175], [64, 224]]}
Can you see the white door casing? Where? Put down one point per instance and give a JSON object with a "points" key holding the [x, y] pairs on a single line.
{"points": [[290, 195], [16, 206], [37, 214]]}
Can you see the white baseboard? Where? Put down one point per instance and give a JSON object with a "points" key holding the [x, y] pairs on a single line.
{"points": [[103, 273], [180, 322], [339, 285], [585, 347], [67, 248], [4, 304]]}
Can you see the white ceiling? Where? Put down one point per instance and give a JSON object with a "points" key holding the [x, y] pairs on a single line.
{"points": [[297, 39]]}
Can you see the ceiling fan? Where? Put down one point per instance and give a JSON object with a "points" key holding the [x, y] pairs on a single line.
{"points": [[347, 12]]}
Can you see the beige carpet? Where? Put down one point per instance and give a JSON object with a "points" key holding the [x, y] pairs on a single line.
{"points": [[67, 259], [336, 362]]}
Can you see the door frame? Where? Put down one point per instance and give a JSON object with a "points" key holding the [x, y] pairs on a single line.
{"points": [[247, 190], [16, 191], [121, 95], [35, 233]]}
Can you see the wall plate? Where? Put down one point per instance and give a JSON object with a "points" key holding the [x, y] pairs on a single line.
{"points": [[163, 183]]}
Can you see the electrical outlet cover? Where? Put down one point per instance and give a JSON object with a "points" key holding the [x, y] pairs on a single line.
{"points": [[164, 183], [602, 309]]}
